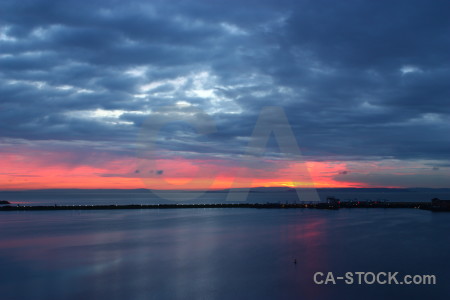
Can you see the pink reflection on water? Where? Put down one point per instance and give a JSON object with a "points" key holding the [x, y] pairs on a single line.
{"points": [[307, 240], [40, 248]]}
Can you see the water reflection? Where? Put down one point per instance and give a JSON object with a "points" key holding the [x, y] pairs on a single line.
{"points": [[216, 253]]}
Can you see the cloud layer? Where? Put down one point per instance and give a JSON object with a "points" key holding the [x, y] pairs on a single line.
{"points": [[359, 80]]}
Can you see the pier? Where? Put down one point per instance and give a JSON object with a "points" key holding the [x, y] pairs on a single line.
{"points": [[332, 204]]}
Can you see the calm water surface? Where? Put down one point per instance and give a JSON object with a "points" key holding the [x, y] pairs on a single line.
{"points": [[219, 253]]}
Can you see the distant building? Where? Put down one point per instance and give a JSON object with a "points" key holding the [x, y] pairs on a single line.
{"points": [[438, 204], [333, 202]]}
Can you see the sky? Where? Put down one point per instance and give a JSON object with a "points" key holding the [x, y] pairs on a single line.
{"points": [[212, 94]]}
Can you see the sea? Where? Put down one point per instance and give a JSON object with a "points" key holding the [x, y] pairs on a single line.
{"points": [[221, 253]]}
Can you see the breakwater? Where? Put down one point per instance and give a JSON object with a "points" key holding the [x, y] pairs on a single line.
{"points": [[320, 205]]}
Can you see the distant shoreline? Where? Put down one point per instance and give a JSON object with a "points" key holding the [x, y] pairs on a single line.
{"points": [[321, 205]]}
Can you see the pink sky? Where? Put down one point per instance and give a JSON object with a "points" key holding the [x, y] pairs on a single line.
{"points": [[39, 169]]}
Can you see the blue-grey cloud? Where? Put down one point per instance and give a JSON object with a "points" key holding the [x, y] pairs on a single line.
{"points": [[358, 79]]}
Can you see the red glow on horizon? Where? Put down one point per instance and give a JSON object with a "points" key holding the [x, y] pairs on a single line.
{"points": [[53, 170]]}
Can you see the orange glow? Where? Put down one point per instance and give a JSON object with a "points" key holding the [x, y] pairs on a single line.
{"points": [[43, 170]]}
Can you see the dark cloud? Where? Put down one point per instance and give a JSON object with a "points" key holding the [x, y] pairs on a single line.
{"points": [[358, 80]]}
